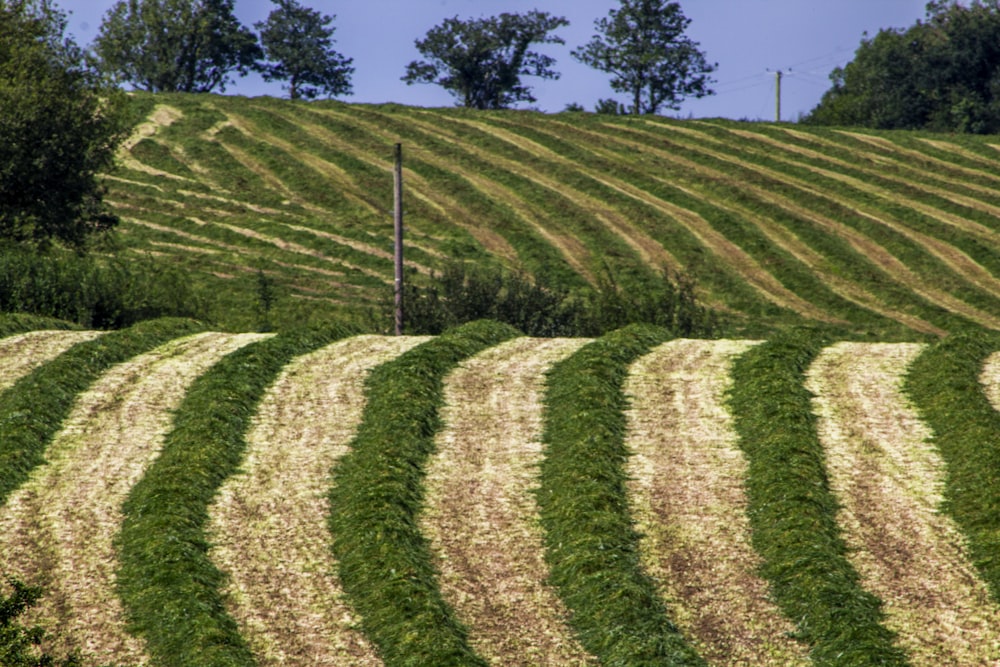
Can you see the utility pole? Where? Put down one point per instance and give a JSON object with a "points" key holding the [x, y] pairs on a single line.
{"points": [[398, 221], [777, 96]]}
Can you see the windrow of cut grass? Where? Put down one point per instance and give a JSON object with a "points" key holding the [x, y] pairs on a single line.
{"points": [[686, 489], [385, 565], [777, 224], [889, 480], [592, 547], [34, 408], [793, 511], [480, 515], [57, 529], [268, 522], [892, 217], [169, 587], [946, 383]]}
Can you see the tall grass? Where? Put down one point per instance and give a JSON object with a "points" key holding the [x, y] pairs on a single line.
{"points": [[385, 563], [168, 585], [33, 409], [591, 543], [944, 385], [793, 512]]}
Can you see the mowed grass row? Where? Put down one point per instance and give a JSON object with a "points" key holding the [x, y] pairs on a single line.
{"points": [[778, 224], [621, 609]]}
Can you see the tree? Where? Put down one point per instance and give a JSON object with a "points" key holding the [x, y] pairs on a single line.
{"points": [[942, 74], [642, 45], [189, 46], [60, 125], [300, 45], [481, 61]]}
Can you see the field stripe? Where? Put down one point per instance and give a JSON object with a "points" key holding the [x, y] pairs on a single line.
{"points": [[890, 483], [861, 242], [774, 231], [22, 353], [58, 529], [480, 515], [268, 522], [686, 488]]}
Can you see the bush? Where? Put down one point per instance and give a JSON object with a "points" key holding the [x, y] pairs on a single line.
{"points": [[20, 646], [95, 292], [462, 294]]}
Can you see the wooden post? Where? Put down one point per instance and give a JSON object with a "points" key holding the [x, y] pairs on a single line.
{"points": [[777, 96], [398, 218]]}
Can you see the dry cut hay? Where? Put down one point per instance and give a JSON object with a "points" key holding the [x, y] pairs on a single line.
{"points": [[268, 523], [687, 495], [990, 379], [889, 481], [58, 529], [22, 353], [480, 513]]}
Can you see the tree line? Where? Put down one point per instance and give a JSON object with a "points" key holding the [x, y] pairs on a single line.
{"points": [[199, 45]]}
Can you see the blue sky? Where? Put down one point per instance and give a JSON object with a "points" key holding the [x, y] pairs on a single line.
{"points": [[749, 39]]}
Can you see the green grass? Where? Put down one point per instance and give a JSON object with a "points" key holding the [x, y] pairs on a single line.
{"points": [[944, 384], [33, 409], [793, 512], [591, 543], [385, 564], [168, 585]]}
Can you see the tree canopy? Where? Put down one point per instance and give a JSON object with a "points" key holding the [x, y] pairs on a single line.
{"points": [[942, 74], [299, 43], [481, 61], [190, 46], [60, 126], [643, 46]]}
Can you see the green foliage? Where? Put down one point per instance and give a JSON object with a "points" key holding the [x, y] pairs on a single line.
{"points": [[32, 411], [299, 43], [643, 46], [189, 46], [93, 292], [168, 585], [793, 512], [591, 544], [385, 564], [941, 74], [481, 61], [59, 128], [15, 323], [463, 293], [944, 384], [19, 646]]}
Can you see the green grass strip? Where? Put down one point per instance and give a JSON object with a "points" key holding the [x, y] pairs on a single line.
{"points": [[592, 547], [793, 512], [33, 409], [944, 385], [168, 585], [385, 564], [16, 323]]}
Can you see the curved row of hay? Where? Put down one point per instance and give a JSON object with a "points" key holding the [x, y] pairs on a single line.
{"points": [[781, 224], [484, 498]]}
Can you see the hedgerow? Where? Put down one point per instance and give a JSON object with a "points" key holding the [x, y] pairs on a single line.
{"points": [[793, 511], [385, 564], [592, 547], [944, 384], [33, 409], [169, 587]]}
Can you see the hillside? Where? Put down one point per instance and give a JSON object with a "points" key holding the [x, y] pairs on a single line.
{"points": [[188, 497], [891, 234]]}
